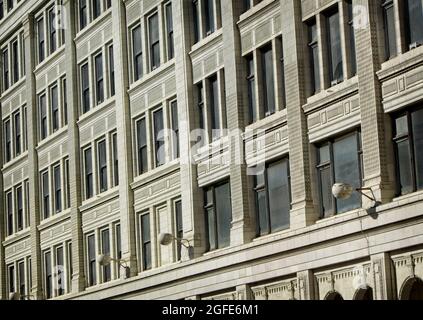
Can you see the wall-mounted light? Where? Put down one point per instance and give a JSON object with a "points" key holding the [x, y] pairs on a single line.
{"points": [[166, 239], [344, 191], [104, 260]]}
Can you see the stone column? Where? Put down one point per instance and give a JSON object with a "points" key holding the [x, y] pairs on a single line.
{"points": [[124, 136], [192, 196], [78, 276], [306, 285], [383, 277], [294, 38], [242, 223], [34, 195], [375, 124], [244, 292]]}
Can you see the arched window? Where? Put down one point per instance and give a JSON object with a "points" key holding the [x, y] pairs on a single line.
{"points": [[364, 294], [334, 296], [412, 289]]}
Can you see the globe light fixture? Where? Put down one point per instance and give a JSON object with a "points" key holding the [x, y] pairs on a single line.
{"points": [[166, 239], [344, 191], [105, 260]]}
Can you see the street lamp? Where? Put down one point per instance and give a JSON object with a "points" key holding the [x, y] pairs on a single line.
{"points": [[104, 260], [344, 191], [166, 239]]}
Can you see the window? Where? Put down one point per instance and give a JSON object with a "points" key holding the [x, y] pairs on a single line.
{"points": [[414, 21], [48, 275], [21, 278], [43, 116], [105, 249], [9, 209], [65, 102], [7, 141], [197, 23], [251, 85], [169, 31], [19, 209], [200, 104], [115, 160], [334, 48], [339, 161], [352, 49], [83, 14], [5, 58], [118, 247], [102, 165], [54, 100], [27, 213], [67, 177], [9, 5], [45, 194], [1, 9], [137, 52], [17, 133], [25, 131], [153, 34], [273, 201], [96, 8], [268, 81], [209, 16], [408, 139], [88, 165], [146, 241], [111, 71], [99, 80], [314, 57], [15, 61], [175, 128], [218, 215], [92, 261], [52, 29], [41, 40], [85, 88], [247, 5], [214, 105], [60, 278], [11, 278], [159, 149], [179, 228], [57, 189], [142, 146]]}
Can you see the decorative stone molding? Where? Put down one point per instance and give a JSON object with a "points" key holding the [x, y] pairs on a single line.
{"points": [[407, 266], [283, 290], [222, 297]]}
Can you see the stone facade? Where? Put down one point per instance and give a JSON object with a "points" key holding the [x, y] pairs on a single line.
{"points": [[361, 254]]}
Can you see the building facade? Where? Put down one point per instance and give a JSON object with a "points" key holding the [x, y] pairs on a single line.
{"points": [[101, 102]]}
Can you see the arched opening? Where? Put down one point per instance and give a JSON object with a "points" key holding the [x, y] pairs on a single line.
{"points": [[364, 294], [412, 289], [334, 296]]}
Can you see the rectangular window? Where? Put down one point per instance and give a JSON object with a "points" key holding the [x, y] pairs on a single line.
{"points": [[1, 9], [46, 194], [67, 177], [118, 246], [88, 165], [218, 215], [273, 203], [179, 228], [7, 141], [41, 40], [92, 261], [9, 5], [111, 71], [313, 45], [85, 88], [5, 59], [60, 269], [11, 278], [334, 48], [83, 14], [19, 209], [408, 131], [48, 275], [96, 8], [175, 128], [15, 61], [65, 102], [169, 31], [268, 81], [209, 16], [214, 105], [43, 116], [414, 23], [17, 133], [99, 80], [54, 101], [115, 160], [142, 146], [21, 278], [251, 85], [105, 249], [159, 149], [352, 49], [57, 189], [25, 130], [146, 241], [137, 53], [200, 104], [339, 161], [27, 213], [52, 29], [153, 34], [9, 209], [196, 15], [102, 165]]}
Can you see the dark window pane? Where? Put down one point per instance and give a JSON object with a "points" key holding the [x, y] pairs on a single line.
{"points": [[19, 208], [214, 104], [102, 165], [46, 194], [105, 249], [175, 128], [146, 241], [115, 160], [179, 227], [251, 89], [209, 16], [43, 117], [8, 141], [17, 133], [211, 223], [153, 28], [334, 48], [404, 167], [48, 275], [268, 81], [21, 276], [326, 191], [52, 30], [415, 22], [83, 14], [96, 8], [159, 137], [352, 49], [314, 58], [196, 14], [88, 173], [417, 120], [142, 147], [223, 214], [57, 189], [99, 80], [390, 31], [111, 71], [60, 265], [92, 272], [11, 277], [137, 52], [15, 62], [346, 167], [54, 108], [263, 215], [85, 88], [41, 41], [169, 27], [9, 206], [5, 58]]}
